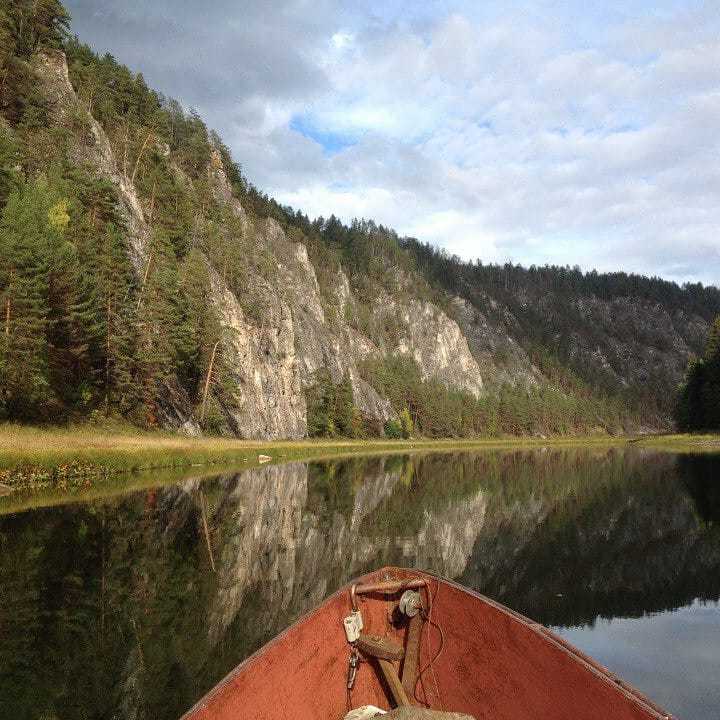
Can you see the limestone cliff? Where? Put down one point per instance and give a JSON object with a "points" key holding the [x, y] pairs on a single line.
{"points": [[273, 354]]}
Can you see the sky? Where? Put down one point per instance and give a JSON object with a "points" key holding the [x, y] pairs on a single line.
{"points": [[572, 132]]}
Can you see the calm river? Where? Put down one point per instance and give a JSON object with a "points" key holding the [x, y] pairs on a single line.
{"points": [[133, 607]]}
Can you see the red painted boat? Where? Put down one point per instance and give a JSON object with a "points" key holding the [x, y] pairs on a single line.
{"points": [[397, 637]]}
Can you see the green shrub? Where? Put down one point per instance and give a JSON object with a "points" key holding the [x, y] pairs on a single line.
{"points": [[393, 430]]}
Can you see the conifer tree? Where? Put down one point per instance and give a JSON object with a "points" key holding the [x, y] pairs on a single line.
{"points": [[166, 350], [116, 326], [207, 374], [25, 237], [25, 27], [712, 348], [32, 24], [711, 385], [343, 407], [320, 405], [72, 321], [698, 402], [9, 157]]}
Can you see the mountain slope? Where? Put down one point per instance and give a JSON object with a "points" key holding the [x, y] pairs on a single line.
{"points": [[180, 295]]}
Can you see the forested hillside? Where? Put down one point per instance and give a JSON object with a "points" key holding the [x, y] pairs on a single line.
{"points": [[143, 277]]}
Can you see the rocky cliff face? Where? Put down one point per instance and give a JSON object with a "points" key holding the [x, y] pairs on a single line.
{"points": [[621, 343], [274, 354], [91, 147]]}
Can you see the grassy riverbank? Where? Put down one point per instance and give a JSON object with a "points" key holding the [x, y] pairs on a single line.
{"points": [[679, 442], [36, 457], [80, 457]]}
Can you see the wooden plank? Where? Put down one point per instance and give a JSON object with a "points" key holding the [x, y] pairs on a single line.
{"points": [[416, 713], [412, 655], [379, 647], [393, 681], [389, 586]]}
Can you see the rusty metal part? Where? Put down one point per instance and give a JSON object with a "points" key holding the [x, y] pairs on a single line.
{"points": [[387, 587], [410, 603], [353, 663]]}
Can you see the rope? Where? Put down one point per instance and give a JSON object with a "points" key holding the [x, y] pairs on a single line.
{"points": [[427, 617]]}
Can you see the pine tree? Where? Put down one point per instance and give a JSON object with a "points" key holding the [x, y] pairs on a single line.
{"points": [[698, 402], [711, 385], [165, 348], [99, 346], [72, 322], [26, 26], [343, 407], [712, 348], [208, 377], [9, 157], [25, 237], [320, 405], [33, 24], [116, 327], [357, 427]]}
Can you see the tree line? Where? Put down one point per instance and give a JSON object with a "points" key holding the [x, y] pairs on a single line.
{"points": [[425, 407], [698, 402]]}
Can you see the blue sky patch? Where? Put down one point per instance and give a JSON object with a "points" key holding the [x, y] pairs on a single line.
{"points": [[330, 142]]}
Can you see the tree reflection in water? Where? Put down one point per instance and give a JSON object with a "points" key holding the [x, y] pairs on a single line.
{"points": [[133, 607]]}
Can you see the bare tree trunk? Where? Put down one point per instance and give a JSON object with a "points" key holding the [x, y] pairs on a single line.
{"points": [[107, 356], [139, 157], [125, 150], [2, 83], [203, 514], [152, 203], [91, 97], [102, 584], [145, 277], [207, 382]]}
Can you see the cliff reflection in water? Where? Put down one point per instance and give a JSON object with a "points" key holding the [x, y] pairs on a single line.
{"points": [[132, 608]]}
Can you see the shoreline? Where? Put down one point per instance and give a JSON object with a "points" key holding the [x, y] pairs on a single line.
{"points": [[68, 460]]}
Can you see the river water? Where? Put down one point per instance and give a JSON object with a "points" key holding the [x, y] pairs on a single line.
{"points": [[132, 607]]}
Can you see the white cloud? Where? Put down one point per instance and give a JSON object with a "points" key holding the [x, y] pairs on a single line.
{"points": [[341, 40], [499, 131]]}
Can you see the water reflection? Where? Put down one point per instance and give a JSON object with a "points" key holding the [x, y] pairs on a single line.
{"points": [[133, 607], [701, 477], [673, 656]]}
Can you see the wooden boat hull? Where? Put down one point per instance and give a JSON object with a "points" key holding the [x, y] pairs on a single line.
{"points": [[493, 664]]}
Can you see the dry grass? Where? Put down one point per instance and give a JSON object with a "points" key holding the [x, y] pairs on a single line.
{"points": [[680, 442], [63, 451], [20, 443]]}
